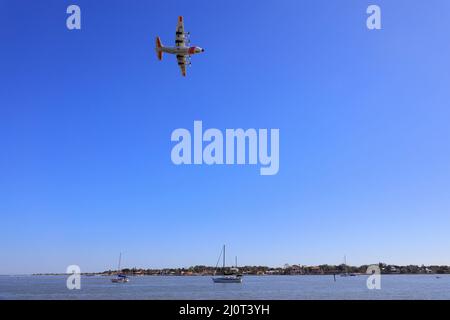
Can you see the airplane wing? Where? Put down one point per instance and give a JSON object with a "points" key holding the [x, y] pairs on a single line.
{"points": [[182, 63], [180, 38]]}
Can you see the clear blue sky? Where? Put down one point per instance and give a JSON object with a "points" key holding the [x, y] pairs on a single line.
{"points": [[86, 118]]}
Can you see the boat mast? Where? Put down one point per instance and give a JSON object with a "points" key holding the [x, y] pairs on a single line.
{"points": [[223, 257], [120, 258]]}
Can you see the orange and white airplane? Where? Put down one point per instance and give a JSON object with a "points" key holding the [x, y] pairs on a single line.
{"points": [[181, 49]]}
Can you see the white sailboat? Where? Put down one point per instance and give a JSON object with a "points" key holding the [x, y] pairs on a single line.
{"points": [[121, 278], [231, 277]]}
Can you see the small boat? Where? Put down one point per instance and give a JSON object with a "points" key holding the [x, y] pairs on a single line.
{"points": [[232, 276], [228, 279], [346, 273], [121, 278]]}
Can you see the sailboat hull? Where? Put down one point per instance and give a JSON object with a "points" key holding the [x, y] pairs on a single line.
{"points": [[227, 280], [120, 280]]}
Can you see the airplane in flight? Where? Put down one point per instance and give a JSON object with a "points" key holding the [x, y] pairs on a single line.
{"points": [[181, 49]]}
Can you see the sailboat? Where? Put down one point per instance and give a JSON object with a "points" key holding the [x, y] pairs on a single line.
{"points": [[228, 277], [121, 278], [346, 273]]}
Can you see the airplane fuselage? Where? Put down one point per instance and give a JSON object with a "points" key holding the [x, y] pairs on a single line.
{"points": [[184, 51]]}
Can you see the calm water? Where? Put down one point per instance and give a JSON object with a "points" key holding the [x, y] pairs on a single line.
{"points": [[253, 287]]}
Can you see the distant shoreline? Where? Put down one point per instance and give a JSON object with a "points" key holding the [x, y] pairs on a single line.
{"points": [[264, 270]]}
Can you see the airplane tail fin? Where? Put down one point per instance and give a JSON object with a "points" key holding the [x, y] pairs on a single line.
{"points": [[158, 48]]}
